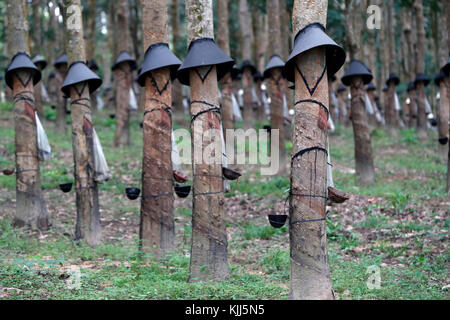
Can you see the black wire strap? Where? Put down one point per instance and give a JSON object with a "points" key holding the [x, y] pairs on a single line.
{"points": [[26, 155], [166, 108], [212, 108], [85, 188], [157, 195], [316, 102], [206, 193], [77, 102], [303, 151], [207, 175], [310, 220]]}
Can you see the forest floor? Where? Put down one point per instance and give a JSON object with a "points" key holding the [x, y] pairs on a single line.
{"points": [[399, 226]]}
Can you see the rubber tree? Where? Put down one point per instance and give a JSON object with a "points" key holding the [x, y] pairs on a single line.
{"points": [[420, 65], [245, 25], [209, 238], [61, 101], [157, 227], [274, 79], [36, 4], [123, 76], [390, 112], [177, 94], [356, 77], [30, 205], [223, 40], [88, 215], [90, 29], [310, 274]]}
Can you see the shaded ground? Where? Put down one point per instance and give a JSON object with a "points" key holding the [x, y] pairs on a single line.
{"points": [[399, 225]]}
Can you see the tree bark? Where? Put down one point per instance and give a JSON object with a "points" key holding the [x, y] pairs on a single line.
{"points": [[30, 205], [88, 215], [390, 112], [157, 228], [123, 78], [310, 274], [223, 40], [209, 238], [420, 62], [36, 4]]}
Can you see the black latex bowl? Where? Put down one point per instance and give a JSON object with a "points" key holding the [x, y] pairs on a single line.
{"points": [[267, 128], [8, 172], [182, 191], [132, 193], [277, 220], [53, 107], [66, 187], [230, 174], [434, 122], [112, 116]]}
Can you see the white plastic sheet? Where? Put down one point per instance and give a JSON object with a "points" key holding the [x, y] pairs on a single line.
{"points": [[133, 101], [236, 110], [427, 106], [44, 149], [102, 172], [369, 107], [176, 160], [331, 123], [44, 94], [397, 102]]}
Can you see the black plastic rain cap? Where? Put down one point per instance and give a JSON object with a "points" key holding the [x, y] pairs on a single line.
{"points": [[158, 56], [39, 60], [421, 78], [132, 193], [62, 59], [371, 87], [182, 191], [21, 61], [79, 72], [313, 36], [439, 77], [446, 67], [124, 57], [411, 86], [204, 52], [93, 65], [235, 73], [274, 62], [332, 78], [277, 220], [341, 88], [248, 64], [357, 68], [258, 76], [393, 77]]}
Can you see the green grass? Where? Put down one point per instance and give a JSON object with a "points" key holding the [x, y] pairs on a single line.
{"points": [[252, 231]]}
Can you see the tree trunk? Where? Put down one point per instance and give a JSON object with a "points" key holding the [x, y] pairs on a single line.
{"points": [[88, 215], [30, 205], [275, 86], [363, 149], [390, 112], [123, 78], [177, 93], [245, 23], [209, 238], [310, 274], [36, 4], [420, 62], [90, 30], [285, 33], [61, 102], [223, 40], [443, 117], [157, 228]]}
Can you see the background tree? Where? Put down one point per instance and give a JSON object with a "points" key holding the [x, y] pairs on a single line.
{"points": [[275, 82], [123, 76], [245, 25], [30, 205], [88, 215], [223, 40], [420, 65]]}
